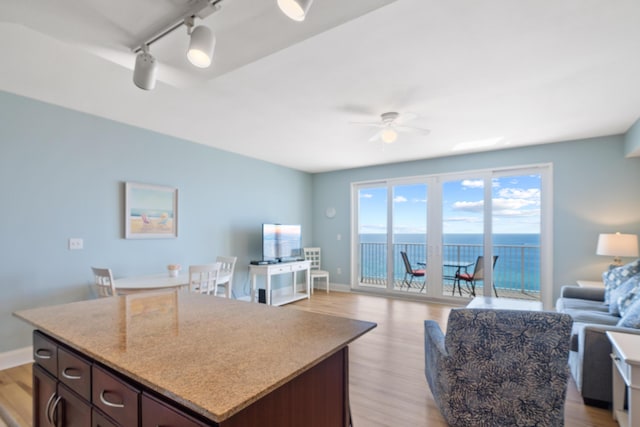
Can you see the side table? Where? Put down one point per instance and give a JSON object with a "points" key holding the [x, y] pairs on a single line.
{"points": [[625, 354]]}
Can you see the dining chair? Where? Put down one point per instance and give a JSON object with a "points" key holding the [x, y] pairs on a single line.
{"points": [[476, 276], [227, 268], [314, 255], [203, 278], [409, 271], [103, 279]]}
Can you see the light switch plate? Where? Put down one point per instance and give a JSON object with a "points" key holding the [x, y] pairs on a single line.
{"points": [[75, 244]]}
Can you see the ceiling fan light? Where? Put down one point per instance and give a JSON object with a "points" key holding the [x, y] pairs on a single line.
{"points": [[201, 47], [144, 72], [388, 135], [295, 9]]}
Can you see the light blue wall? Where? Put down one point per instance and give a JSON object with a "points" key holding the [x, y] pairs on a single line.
{"points": [[61, 176], [594, 191], [632, 140]]}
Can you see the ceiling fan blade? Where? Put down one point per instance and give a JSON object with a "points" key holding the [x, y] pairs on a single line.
{"points": [[372, 124], [405, 117], [411, 129], [375, 137]]}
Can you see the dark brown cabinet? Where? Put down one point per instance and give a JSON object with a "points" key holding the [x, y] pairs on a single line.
{"points": [[156, 413], [70, 390]]}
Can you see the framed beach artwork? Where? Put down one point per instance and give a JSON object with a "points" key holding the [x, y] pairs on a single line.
{"points": [[151, 211]]}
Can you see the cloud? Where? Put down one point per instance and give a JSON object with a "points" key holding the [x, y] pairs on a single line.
{"points": [[400, 199], [469, 206], [519, 193], [468, 183], [366, 196]]}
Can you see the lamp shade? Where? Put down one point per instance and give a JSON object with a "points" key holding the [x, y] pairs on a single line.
{"points": [[144, 72], [295, 9], [201, 47], [618, 245]]}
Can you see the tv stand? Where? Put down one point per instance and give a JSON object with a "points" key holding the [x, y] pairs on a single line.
{"points": [[269, 270]]}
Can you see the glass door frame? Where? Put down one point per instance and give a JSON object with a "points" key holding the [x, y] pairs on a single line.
{"points": [[434, 248]]}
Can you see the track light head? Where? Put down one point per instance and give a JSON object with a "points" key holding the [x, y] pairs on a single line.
{"points": [[144, 72], [295, 9], [201, 46]]}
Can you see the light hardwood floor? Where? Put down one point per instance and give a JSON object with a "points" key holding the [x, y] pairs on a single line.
{"points": [[387, 383]]}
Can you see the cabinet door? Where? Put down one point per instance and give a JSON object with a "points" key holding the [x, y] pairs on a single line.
{"points": [[72, 411], [44, 394], [156, 413], [99, 420]]}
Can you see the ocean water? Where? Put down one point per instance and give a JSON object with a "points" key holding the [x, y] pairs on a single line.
{"points": [[517, 268]]}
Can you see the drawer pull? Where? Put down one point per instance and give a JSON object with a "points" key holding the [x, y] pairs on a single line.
{"points": [[110, 404], [69, 376], [47, 409], [43, 353], [54, 411], [616, 358]]}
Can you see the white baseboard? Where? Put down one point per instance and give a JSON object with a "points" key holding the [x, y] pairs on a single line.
{"points": [[17, 357]]}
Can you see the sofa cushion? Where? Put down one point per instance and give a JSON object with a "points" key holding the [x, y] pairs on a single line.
{"points": [[617, 276], [631, 318], [634, 294], [597, 317], [621, 295], [563, 304]]}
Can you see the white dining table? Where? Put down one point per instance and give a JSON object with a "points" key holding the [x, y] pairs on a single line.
{"points": [[155, 282]]}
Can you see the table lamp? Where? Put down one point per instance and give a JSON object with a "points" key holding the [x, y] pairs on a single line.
{"points": [[618, 245]]}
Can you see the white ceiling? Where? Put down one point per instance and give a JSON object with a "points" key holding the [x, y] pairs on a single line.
{"points": [[505, 72]]}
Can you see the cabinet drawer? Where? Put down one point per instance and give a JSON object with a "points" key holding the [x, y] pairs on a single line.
{"points": [[156, 413], [281, 269], [45, 352], [298, 267], [622, 367], [75, 372], [114, 397], [99, 420]]}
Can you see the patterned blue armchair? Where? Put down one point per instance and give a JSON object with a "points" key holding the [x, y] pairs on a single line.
{"points": [[499, 367]]}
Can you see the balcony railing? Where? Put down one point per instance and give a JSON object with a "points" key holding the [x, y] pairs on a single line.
{"points": [[517, 268]]}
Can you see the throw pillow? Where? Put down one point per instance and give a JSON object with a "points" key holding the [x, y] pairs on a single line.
{"points": [[617, 276], [631, 319], [625, 301], [619, 294]]}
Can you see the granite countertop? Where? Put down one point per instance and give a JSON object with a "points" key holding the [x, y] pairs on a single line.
{"points": [[212, 355]]}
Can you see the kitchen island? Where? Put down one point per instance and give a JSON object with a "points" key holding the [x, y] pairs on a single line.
{"points": [[215, 361]]}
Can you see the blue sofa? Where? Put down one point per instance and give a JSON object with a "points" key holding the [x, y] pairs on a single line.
{"points": [[589, 358]]}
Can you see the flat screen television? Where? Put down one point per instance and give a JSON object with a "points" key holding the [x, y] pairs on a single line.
{"points": [[281, 242]]}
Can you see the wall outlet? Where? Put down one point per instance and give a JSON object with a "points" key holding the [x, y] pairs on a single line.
{"points": [[338, 270], [339, 237], [76, 244]]}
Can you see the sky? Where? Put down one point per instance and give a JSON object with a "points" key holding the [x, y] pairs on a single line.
{"points": [[515, 204]]}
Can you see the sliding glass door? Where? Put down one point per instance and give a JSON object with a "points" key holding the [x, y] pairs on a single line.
{"points": [[391, 238], [480, 233]]}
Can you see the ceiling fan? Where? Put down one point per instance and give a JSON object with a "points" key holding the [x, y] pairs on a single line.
{"points": [[390, 124]]}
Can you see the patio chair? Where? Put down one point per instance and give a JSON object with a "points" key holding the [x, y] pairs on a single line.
{"points": [[476, 276], [499, 367], [411, 273]]}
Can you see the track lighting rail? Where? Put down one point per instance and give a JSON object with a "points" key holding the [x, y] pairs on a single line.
{"points": [[200, 9]]}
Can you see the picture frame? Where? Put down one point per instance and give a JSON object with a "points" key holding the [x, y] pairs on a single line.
{"points": [[151, 211]]}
